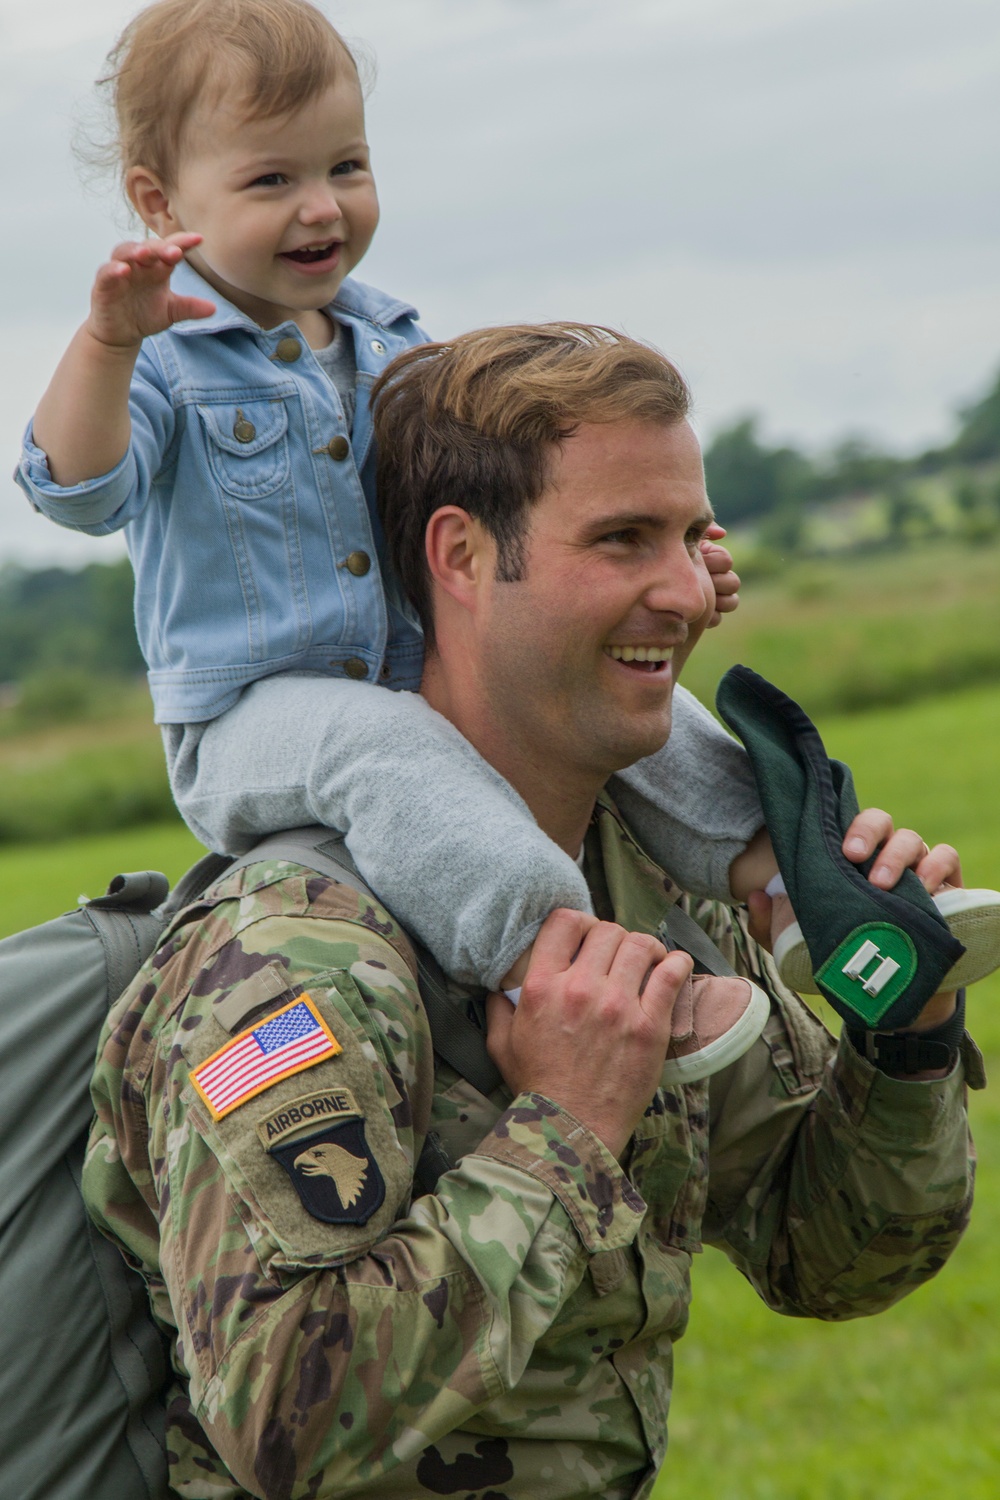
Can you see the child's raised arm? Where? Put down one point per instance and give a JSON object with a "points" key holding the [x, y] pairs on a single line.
{"points": [[82, 423]]}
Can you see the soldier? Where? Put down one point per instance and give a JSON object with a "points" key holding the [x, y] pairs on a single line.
{"points": [[265, 1088]]}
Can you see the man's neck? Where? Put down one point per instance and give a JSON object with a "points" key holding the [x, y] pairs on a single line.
{"points": [[560, 798]]}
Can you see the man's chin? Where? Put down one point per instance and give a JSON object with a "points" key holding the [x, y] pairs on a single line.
{"points": [[639, 745]]}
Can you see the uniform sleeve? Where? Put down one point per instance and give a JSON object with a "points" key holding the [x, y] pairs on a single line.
{"points": [[105, 504], [834, 1188], [330, 1327]]}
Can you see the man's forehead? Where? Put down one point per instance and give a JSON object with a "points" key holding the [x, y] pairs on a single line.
{"points": [[632, 467]]}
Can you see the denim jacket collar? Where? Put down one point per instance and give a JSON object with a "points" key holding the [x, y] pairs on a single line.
{"points": [[354, 300]]}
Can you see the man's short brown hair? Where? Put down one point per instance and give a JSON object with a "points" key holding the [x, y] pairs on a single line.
{"points": [[472, 421]]}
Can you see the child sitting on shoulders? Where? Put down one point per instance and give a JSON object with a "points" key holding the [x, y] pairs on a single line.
{"points": [[215, 404]]}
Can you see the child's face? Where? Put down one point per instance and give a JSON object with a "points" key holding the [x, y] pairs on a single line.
{"points": [[286, 207]]}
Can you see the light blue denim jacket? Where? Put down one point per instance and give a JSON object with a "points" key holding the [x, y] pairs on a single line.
{"points": [[241, 514]]}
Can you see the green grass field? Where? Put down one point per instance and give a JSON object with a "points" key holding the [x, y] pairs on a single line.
{"points": [[894, 1408], [875, 629], [903, 1406]]}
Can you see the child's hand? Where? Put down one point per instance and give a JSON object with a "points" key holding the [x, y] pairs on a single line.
{"points": [[132, 297], [719, 562]]}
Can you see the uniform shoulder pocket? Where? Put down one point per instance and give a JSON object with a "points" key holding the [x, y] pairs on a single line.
{"points": [[297, 1116]]}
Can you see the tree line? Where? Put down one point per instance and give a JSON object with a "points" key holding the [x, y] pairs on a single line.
{"points": [[59, 625], [751, 482]]}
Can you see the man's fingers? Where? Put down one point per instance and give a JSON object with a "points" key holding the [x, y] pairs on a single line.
{"points": [[901, 849], [559, 937], [663, 986], [938, 867], [499, 1019], [637, 954], [870, 828]]}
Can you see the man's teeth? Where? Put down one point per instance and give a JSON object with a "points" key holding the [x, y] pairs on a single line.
{"points": [[640, 653]]}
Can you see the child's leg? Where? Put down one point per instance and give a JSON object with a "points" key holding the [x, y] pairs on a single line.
{"points": [[446, 842], [693, 805]]}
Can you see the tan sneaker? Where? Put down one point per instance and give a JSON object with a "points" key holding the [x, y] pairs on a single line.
{"points": [[715, 1021]]}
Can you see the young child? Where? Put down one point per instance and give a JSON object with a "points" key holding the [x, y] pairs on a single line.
{"points": [[215, 404]]}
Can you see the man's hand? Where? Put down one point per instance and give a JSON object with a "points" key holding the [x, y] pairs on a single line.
{"points": [[132, 299], [592, 1027], [719, 562], [899, 849]]}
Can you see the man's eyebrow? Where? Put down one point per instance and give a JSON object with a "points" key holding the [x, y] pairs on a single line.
{"points": [[626, 520]]}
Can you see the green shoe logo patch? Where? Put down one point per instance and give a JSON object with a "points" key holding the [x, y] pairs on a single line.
{"points": [[870, 970]]}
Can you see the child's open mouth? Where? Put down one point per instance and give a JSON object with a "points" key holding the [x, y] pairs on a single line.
{"points": [[314, 255]]}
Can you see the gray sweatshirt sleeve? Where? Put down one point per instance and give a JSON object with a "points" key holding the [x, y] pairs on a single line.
{"points": [[693, 805], [447, 843]]}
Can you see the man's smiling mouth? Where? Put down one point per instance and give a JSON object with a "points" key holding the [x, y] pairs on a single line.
{"points": [[652, 658]]}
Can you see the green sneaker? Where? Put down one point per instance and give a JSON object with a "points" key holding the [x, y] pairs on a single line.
{"points": [[877, 956]]}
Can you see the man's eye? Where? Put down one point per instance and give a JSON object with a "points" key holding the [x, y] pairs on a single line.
{"points": [[626, 537]]}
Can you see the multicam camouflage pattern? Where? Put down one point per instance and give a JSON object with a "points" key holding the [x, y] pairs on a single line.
{"points": [[510, 1334]]}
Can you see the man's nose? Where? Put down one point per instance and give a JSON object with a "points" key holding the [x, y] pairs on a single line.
{"points": [[682, 585]]}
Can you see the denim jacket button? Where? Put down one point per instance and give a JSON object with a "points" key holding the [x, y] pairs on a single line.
{"points": [[378, 346], [358, 563], [338, 448], [288, 350], [356, 668]]}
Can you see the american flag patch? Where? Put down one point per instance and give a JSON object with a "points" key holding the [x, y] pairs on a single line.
{"points": [[294, 1038]]}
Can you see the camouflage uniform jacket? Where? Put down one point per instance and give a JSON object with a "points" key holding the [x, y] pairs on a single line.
{"points": [[510, 1334]]}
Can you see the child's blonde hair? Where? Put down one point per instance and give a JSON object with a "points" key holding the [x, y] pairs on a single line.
{"points": [[274, 55]]}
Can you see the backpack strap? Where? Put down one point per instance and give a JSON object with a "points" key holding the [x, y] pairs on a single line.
{"points": [[456, 1035], [127, 924], [679, 930]]}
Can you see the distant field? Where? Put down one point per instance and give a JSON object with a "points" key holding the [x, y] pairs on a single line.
{"points": [[875, 629], [38, 881]]}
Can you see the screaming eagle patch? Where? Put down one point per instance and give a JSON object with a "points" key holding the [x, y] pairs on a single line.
{"points": [[334, 1173]]}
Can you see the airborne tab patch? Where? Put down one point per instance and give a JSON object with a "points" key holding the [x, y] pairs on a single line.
{"points": [[334, 1173], [295, 1037], [304, 1114]]}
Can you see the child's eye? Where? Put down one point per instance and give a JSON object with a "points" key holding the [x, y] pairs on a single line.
{"points": [[344, 167], [268, 179]]}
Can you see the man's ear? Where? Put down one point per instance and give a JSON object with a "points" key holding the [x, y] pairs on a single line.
{"points": [[151, 201], [459, 551]]}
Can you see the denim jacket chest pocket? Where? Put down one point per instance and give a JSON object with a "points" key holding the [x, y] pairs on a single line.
{"points": [[247, 446]]}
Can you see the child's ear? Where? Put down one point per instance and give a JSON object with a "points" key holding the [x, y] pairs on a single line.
{"points": [[150, 200]]}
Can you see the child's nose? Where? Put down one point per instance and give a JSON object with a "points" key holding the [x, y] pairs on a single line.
{"points": [[320, 207]]}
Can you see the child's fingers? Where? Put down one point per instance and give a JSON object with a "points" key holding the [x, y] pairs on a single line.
{"points": [[190, 307], [184, 239]]}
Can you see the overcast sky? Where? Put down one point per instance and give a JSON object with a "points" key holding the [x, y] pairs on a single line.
{"points": [[795, 199]]}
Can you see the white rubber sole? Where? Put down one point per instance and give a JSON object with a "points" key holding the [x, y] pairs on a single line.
{"points": [[972, 916], [726, 1049]]}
